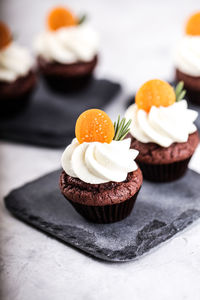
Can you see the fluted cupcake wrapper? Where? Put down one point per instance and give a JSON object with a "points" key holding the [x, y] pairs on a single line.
{"points": [[193, 96], [60, 84], [14, 105], [164, 172], [107, 213]]}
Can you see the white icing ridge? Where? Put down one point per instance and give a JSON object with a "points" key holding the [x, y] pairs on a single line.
{"points": [[97, 163], [15, 61], [162, 125], [187, 55], [68, 44]]}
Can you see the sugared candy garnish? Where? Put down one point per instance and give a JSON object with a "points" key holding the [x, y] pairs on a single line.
{"points": [[60, 17], [193, 24], [155, 93], [94, 125], [5, 35]]}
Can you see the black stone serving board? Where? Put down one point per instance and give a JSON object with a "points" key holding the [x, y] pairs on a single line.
{"points": [[161, 211], [49, 119]]}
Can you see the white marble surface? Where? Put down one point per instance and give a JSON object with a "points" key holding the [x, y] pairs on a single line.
{"points": [[137, 38]]}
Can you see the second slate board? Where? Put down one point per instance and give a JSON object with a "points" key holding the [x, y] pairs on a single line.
{"points": [[49, 119], [161, 210]]}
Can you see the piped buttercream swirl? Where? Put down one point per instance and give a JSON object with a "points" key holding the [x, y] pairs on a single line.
{"points": [[15, 62], [162, 125], [97, 163], [68, 44], [187, 55]]}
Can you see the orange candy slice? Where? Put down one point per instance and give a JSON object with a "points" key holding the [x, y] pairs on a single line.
{"points": [[5, 35], [60, 17], [193, 25], [94, 125], [155, 93]]}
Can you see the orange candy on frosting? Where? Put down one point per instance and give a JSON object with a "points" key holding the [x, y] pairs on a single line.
{"points": [[60, 17], [5, 35], [193, 24], [94, 125], [155, 93]]}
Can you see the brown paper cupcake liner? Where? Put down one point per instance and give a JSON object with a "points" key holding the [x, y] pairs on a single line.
{"points": [[164, 172], [107, 213], [10, 107], [193, 96], [69, 84]]}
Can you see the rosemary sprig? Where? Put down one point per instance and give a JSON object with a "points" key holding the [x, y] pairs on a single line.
{"points": [[179, 91], [82, 19], [121, 128]]}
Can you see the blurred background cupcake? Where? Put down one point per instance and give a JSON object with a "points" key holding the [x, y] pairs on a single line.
{"points": [[66, 50], [17, 76], [162, 130], [187, 58]]}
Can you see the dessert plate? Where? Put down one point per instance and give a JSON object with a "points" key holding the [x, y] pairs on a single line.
{"points": [[161, 211], [49, 119]]}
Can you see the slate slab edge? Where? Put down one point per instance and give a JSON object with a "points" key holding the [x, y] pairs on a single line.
{"points": [[145, 240]]}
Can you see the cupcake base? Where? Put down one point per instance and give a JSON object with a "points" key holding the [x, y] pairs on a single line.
{"points": [[106, 214], [164, 172], [67, 77], [102, 203], [192, 86], [14, 96], [162, 164]]}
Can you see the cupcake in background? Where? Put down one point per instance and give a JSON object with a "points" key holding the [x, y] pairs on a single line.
{"points": [[17, 76], [100, 177], [162, 130], [187, 59], [66, 50]]}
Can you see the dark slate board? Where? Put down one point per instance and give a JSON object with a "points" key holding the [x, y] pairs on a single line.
{"points": [[50, 117], [160, 212]]}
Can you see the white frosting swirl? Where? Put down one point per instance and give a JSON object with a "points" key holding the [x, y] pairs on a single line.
{"points": [[97, 163], [68, 44], [187, 55], [15, 61], [162, 125]]}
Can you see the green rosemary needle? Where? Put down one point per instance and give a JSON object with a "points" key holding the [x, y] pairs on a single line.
{"points": [[121, 128], [179, 91]]}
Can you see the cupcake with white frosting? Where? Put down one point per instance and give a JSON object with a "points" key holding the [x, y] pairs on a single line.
{"points": [[187, 58], [162, 130], [67, 49], [17, 77], [100, 177]]}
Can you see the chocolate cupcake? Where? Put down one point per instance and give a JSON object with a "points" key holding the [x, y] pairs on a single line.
{"points": [[100, 177], [187, 59], [162, 130], [17, 78], [66, 51]]}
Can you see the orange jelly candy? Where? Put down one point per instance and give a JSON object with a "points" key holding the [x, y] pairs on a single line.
{"points": [[155, 93], [5, 35], [94, 125], [60, 17], [193, 25]]}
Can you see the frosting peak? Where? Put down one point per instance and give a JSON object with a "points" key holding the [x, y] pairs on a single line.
{"points": [[162, 125], [15, 61], [97, 163], [187, 55], [68, 44]]}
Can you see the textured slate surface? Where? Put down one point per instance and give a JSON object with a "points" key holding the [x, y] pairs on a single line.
{"points": [[50, 117], [160, 212]]}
